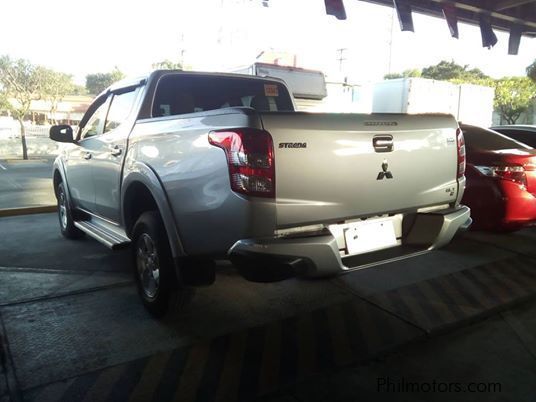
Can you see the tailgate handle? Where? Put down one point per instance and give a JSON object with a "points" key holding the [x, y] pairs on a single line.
{"points": [[383, 143]]}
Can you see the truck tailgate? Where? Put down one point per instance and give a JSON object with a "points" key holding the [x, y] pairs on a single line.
{"points": [[332, 167]]}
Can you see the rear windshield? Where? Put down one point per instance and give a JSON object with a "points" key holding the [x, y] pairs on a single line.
{"points": [[525, 136], [484, 139], [180, 94]]}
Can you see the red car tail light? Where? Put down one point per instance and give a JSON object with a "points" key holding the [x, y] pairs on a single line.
{"points": [[250, 158], [513, 173], [460, 141]]}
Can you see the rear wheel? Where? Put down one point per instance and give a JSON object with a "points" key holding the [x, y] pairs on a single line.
{"points": [[154, 267], [65, 215]]}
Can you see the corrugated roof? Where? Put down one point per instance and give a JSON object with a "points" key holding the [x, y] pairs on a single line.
{"points": [[515, 16]]}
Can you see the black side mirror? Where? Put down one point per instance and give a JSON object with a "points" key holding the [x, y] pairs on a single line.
{"points": [[61, 133]]}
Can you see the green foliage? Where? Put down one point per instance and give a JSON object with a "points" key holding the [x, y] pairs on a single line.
{"points": [[79, 90], [513, 96], [531, 71], [449, 70], [415, 72], [167, 65], [4, 104], [55, 86], [96, 83], [20, 83]]}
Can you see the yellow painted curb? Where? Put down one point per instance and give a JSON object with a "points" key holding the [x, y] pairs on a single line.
{"points": [[28, 210]]}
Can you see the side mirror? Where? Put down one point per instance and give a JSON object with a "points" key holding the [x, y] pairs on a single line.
{"points": [[61, 133]]}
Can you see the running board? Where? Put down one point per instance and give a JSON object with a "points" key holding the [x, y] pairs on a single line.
{"points": [[104, 233]]}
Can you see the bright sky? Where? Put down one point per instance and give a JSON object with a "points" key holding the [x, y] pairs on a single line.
{"points": [[81, 37]]}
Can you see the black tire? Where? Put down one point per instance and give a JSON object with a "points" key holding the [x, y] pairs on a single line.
{"points": [[154, 268], [65, 215]]}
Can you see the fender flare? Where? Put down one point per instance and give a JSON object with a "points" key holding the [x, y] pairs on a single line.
{"points": [[59, 167], [141, 173]]}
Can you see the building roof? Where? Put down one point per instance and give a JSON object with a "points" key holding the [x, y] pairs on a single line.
{"points": [[515, 16]]}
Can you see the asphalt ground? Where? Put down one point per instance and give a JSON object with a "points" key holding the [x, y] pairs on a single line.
{"points": [[72, 327], [26, 183]]}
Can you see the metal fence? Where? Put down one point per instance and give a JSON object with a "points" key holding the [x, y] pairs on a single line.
{"points": [[37, 131], [31, 131]]}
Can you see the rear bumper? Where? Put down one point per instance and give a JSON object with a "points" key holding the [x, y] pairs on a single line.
{"points": [[266, 260]]}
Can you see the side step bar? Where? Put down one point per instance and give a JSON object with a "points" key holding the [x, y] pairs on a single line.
{"points": [[104, 234]]}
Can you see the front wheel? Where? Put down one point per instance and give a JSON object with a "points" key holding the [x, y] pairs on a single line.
{"points": [[154, 267], [65, 215]]}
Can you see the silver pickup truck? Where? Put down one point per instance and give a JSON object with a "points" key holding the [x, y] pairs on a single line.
{"points": [[194, 167]]}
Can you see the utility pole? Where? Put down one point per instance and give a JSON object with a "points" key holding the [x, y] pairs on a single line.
{"points": [[391, 42], [340, 57]]}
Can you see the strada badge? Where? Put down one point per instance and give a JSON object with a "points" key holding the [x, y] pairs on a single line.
{"points": [[380, 123], [292, 145]]}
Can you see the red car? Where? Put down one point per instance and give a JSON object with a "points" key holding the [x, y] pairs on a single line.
{"points": [[501, 180]]}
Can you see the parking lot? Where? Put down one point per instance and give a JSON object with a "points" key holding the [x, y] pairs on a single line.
{"points": [[72, 327], [26, 183]]}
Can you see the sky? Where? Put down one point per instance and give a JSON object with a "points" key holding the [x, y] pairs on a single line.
{"points": [[81, 37]]}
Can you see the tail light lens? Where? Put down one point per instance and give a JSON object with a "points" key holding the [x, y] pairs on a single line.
{"points": [[250, 157], [513, 173], [460, 141]]}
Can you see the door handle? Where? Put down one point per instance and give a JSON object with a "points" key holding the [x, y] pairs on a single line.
{"points": [[88, 155], [382, 143], [115, 150]]}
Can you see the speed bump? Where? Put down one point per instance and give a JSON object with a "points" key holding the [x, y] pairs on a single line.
{"points": [[437, 303], [248, 364]]}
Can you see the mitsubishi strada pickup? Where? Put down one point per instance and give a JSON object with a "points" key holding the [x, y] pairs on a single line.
{"points": [[188, 168]]}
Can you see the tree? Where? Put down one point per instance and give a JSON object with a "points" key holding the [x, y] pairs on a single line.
{"points": [[449, 70], [404, 74], [531, 71], [55, 86], [96, 83], [79, 90], [513, 96], [20, 83], [167, 65], [4, 104]]}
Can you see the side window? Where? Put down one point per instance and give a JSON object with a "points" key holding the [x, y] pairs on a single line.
{"points": [[120, 109], [95, 123]]}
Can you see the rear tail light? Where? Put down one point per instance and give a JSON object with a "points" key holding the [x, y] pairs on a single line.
{"points": [[513, 173], [460, 141], [250, 157]]}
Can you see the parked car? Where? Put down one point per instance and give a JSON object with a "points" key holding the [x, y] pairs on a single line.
{"points": [[522, 133], [501, 180], [190, 167]]}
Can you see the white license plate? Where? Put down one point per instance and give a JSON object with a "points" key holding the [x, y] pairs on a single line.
{"points": [[365, 236]]}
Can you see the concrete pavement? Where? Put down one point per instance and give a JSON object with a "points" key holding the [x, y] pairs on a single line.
{"points": [[73, 326], [26, 183]]}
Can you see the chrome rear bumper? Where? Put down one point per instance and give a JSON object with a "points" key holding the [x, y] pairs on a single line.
{"points": [[274, 259]]}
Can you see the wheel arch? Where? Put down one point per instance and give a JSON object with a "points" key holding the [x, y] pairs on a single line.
{"points": [[58, 176], [142, 191]]}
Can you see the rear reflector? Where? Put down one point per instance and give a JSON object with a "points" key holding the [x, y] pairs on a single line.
{"points": [[460, 141], [250, 158]]}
